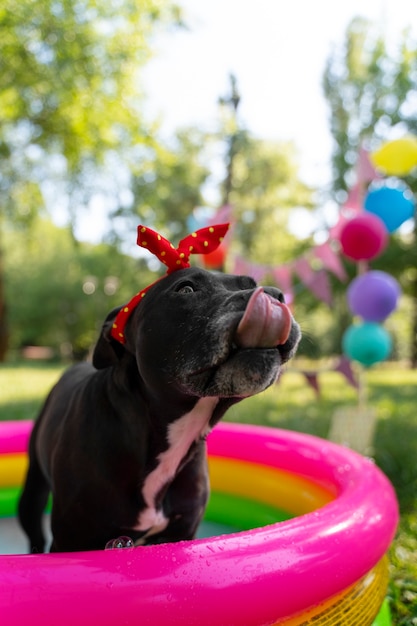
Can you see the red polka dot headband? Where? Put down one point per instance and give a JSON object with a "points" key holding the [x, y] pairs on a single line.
{"points": [[202, 241]]}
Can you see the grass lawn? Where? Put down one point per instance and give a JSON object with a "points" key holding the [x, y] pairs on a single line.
{"points": [[294, 405]]}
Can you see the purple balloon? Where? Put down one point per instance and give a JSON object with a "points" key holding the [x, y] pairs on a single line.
{"points": [[373, 295]]}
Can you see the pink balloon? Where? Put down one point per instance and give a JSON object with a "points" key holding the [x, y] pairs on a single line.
{"points": [[363, 237]]}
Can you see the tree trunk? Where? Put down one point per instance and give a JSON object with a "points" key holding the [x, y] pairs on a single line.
{"points": [[4, 333]]}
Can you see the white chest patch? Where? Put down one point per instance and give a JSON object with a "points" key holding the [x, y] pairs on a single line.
{"points": [[181, 435]]}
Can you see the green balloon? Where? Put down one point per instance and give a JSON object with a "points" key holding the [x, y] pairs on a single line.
{"points": [[367, 343]]}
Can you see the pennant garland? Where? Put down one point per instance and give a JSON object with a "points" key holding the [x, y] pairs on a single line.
{"points": [[343, 366], [314, 279], [206, 240]]}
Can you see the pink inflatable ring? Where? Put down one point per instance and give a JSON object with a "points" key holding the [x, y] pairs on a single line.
{"points": [[281, 573]]}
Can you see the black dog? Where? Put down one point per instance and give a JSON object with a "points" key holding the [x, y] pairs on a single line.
{"points": [[121, 443]]}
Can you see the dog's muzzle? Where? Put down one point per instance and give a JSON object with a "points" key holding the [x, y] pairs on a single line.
{"points": [[249, 354], [266, 322]]}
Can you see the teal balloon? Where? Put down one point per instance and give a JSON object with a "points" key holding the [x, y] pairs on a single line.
{"points": [[367, 343], [392, 202]]}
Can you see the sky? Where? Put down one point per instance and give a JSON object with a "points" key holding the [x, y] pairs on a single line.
{"points": [[277, 51]]}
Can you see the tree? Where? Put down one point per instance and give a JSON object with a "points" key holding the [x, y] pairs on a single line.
{"points": [[166, 186], [70, 99], [370, 89], [59, 299], [263, 189], [70, 85], [372, 92], [230, 104], [261, 182], [266, 187]]}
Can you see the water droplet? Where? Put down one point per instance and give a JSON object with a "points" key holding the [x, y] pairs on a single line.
{"points": [[120, 542]]}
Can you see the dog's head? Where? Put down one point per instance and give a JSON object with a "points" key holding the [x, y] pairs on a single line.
{"points": [[205, 334]]}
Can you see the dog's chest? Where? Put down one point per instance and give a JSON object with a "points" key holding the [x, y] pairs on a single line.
{"points": [[181, 435]]}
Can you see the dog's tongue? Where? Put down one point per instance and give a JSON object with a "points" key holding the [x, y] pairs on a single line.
{"points": [[266, 322]]}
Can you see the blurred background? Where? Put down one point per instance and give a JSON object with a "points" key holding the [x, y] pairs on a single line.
{"points": [[163, 113], [267, 114]]}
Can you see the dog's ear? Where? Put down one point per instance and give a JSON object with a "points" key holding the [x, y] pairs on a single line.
{"points": [[107, 351]]}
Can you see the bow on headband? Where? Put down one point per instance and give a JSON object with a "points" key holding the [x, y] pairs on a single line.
{"points": [[202, 241]]}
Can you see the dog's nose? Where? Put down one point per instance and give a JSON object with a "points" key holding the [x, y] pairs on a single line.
{"points": [[266, 322]]}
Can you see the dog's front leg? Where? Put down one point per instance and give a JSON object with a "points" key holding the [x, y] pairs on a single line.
{"points": [[33, 498], [185, 499]]}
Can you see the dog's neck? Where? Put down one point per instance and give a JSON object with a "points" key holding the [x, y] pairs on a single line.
{"points": [[181, 435], [163, 406]]}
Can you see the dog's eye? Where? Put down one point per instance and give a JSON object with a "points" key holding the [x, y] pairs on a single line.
{"points": [[185, 289]]}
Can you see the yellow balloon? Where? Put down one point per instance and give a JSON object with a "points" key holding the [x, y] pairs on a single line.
{"points": [[397, 157]]}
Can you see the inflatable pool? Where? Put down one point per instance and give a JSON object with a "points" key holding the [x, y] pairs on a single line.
{"points": [[309, 526]]}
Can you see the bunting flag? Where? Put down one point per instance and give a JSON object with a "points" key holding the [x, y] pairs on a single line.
{"points": [[320, 287], [336, 229], [313, 380], [283, 278], [240, 266], [304, 270], [316, 281], [222, 215], [246, 268], [330, 260], [354, 200], [349, 209], [344, 366], [365, 171]]}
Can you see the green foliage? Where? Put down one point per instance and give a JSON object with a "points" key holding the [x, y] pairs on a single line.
{"points": [[266, 186], [166, 186], [370, 89], [71, 124], [58, 296], [72, 129], [70, 91]]}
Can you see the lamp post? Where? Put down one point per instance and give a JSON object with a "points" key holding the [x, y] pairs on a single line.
{"points": [[232, 102]]}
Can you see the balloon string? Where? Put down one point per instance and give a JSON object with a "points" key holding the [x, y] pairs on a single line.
{"points": [[362, 390], [362, 267]]}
